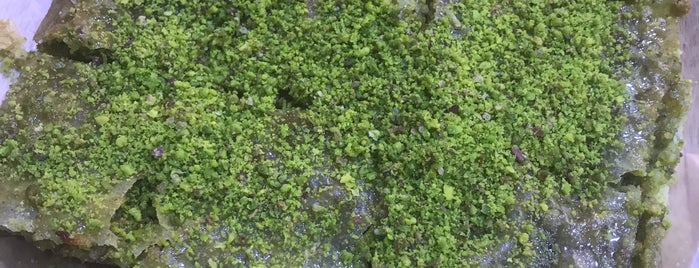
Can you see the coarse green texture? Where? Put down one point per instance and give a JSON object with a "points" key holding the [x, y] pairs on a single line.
{"points": [[277, 131]]}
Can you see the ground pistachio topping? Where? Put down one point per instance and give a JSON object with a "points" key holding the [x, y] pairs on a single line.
{"points": [[347, 133]]}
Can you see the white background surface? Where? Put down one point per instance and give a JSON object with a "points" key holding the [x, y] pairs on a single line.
{"points": [[678, 248]]}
